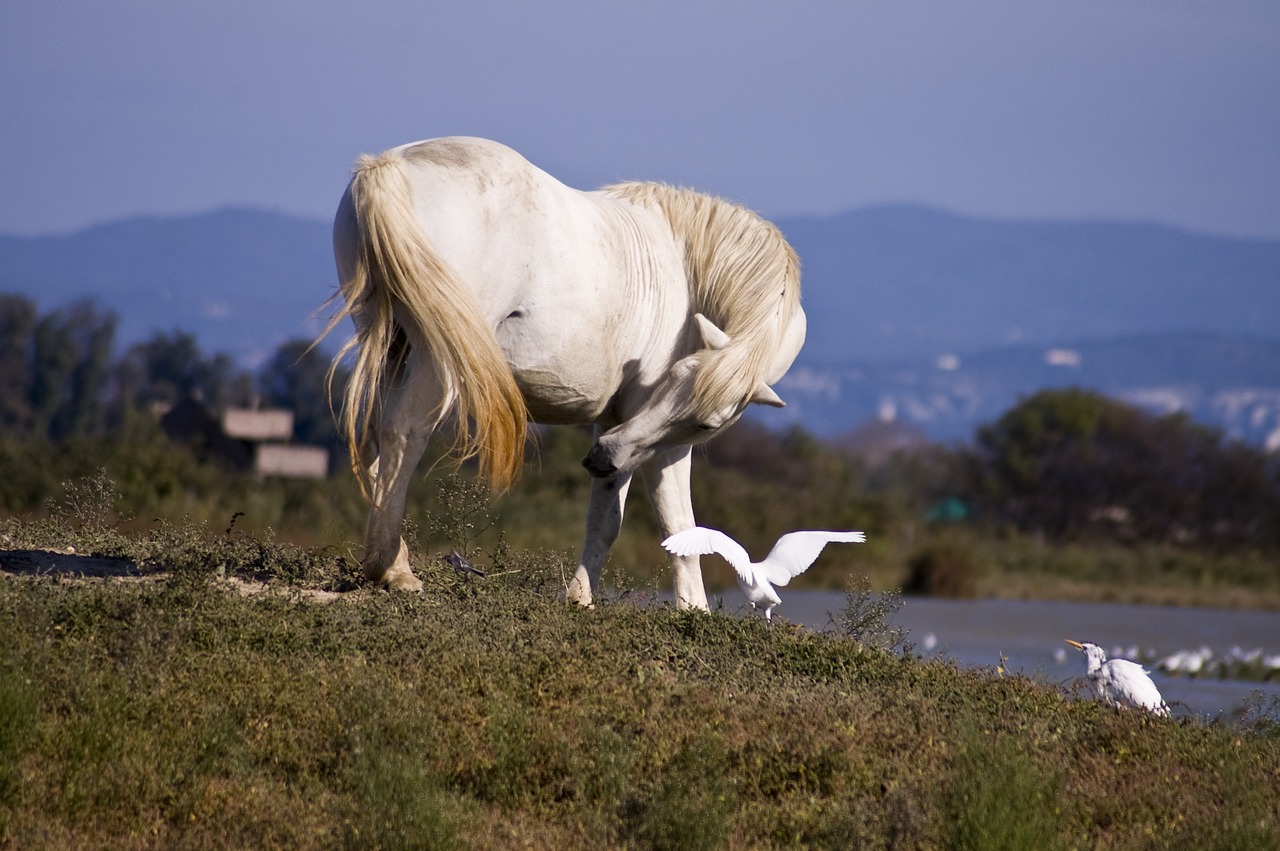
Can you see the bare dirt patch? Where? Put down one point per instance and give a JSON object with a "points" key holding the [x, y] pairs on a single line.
{"points": [[69, 564]]}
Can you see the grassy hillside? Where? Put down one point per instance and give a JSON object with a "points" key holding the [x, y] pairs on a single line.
{"points": [[173, 711]]}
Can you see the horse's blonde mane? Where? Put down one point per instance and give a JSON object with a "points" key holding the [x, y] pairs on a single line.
{"points": [[742, 275]]}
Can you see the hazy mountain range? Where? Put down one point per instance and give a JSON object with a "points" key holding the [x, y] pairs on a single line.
{"points": [[1230, 382], [242, 281], [927, 317]]}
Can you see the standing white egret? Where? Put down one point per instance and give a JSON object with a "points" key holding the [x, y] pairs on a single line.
{"points": [[1120, 682], [790, 556]]}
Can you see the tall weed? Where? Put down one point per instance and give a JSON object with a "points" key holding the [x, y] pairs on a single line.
{"points": [[867, 617]]}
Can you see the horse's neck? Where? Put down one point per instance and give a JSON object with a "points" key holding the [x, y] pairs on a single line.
{"points": [[654, 299]]}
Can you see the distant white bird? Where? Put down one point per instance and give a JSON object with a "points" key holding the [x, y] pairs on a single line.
{"points": [[790, 556], [1120, 682]]}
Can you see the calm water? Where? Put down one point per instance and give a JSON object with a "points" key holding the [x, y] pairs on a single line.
{"points": [[1029, 635]]}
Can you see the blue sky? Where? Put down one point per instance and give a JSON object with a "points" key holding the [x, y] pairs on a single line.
{"points": [[1159, 110]]}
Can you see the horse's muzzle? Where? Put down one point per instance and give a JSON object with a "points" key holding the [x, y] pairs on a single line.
{"points": [[599, 464]]}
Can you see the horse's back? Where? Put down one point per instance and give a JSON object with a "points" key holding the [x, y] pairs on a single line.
{"points": [[467, 154], [564, 277], [504, 225]]}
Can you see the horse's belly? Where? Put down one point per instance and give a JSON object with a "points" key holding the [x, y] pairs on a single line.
{"points": [[553, 402], [562, 367]]}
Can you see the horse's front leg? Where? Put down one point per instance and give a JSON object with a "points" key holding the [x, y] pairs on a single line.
{"points": [[403, 434], [604, 521], [666, 480]]}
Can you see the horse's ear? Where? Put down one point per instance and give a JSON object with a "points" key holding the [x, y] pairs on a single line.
{"points": [[765, 396], [711, 335]]}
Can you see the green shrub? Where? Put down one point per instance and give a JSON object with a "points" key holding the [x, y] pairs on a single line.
{"points": [[689, 805], [997, 797]]}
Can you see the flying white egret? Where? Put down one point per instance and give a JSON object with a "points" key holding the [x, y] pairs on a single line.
{"points": [[790, 556], [1121, 682]]}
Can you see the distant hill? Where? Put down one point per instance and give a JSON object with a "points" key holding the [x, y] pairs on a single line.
{"points": [[942, 322], [886, 283], [942, 319], [242, 281]]}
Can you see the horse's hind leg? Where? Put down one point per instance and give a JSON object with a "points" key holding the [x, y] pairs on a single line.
{"points": [[666, 481], [411, 415]]}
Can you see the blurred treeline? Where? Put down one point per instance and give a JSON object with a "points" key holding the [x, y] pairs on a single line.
{"points": [[1062, 469], [61, 377]]}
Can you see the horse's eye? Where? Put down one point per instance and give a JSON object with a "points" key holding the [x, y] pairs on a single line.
{"points": [[706, 426]]}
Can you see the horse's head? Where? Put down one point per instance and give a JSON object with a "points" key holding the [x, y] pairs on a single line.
{"points": [[681, 411]]}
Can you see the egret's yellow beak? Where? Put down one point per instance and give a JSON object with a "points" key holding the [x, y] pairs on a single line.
{"points": [[1076, 644]]}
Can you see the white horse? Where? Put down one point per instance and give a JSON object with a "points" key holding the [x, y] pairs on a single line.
{"points": [[483, 289]]}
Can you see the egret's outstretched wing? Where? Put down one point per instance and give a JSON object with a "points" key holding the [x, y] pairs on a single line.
{"points": [[700, 540], [795, 551]]}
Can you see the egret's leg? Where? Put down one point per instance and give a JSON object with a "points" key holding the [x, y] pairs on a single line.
{"points": [[604, 521], [666, 480], [407, 424]]}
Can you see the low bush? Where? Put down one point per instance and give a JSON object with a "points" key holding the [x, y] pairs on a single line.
{"points": [[942, 570]]}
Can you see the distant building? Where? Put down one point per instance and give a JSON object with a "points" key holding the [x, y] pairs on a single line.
{"points": [[258, 424], [947, 363], [876, 441], [1062, 357], [257, 440], [190, 422]]}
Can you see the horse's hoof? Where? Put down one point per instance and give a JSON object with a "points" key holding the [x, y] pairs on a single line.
{"points": [[577, 593], [405, 581]]}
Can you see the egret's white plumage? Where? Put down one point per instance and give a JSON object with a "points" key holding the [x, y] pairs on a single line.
{"points": [[1120, 682], [790, 556]]}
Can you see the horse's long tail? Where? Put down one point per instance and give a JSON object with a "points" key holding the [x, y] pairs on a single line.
{"points": [[398, 278]]}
